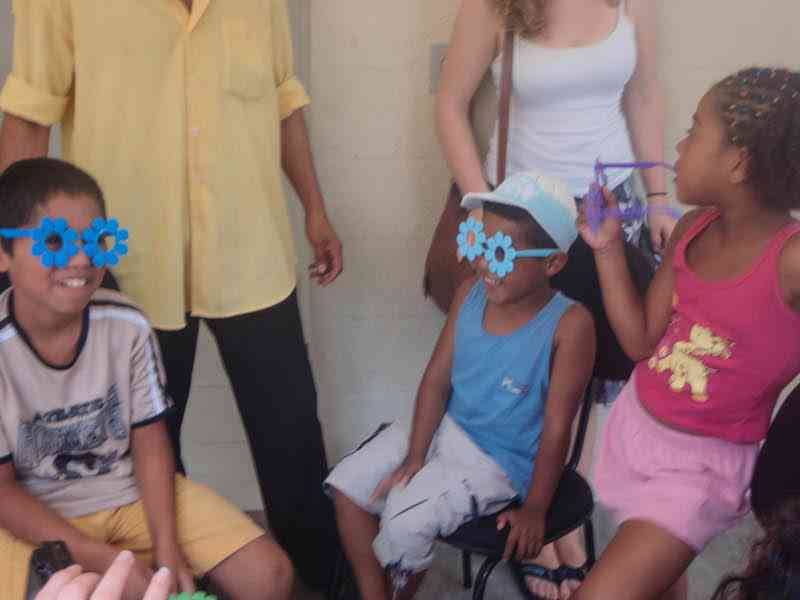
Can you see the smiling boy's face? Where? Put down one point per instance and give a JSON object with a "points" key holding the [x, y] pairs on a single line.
{"points": [[529, 274], [49, 293]]}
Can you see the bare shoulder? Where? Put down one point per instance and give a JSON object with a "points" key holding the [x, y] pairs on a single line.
{"points": [[685, 223], [789, 271], [483, 11], [639, 10], [575, 325]]}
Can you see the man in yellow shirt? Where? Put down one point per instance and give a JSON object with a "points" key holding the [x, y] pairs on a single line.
{"points": [[185, 111]]}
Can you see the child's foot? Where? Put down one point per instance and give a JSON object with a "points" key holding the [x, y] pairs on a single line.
{"points": [[571, 579], [540, 585], [571, 554]]}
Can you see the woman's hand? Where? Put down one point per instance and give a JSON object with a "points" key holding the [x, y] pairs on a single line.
{"points": [[73, 584], [661, 221]]}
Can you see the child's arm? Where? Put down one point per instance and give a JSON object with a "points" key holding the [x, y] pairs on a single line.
{"points": [[432, 397], [30, 519], [572, 365], [154, 467], [638, 324]]}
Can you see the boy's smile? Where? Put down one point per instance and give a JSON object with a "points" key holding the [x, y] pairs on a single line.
{"points": [[50, 296], [528, 275]]}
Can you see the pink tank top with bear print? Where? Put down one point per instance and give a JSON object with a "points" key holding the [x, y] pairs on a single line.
{"points": [[730, 348]]}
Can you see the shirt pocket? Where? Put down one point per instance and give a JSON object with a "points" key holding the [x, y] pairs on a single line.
{"points": [[246, 66]]}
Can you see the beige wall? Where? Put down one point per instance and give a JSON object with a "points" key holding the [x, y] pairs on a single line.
{"points": [[379, 162], [366, 63]]}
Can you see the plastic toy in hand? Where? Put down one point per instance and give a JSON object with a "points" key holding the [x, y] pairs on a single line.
{"points": [[595, 203], [498, 251], [195, 596], [56, 242]]}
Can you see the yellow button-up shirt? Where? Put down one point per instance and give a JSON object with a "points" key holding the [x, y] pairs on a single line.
{"points": [[177, 114]]}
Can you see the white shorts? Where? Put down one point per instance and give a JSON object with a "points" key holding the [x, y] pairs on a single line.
{"points": [[458, 483]]}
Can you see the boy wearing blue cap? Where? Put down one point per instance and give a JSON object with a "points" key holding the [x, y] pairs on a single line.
{"points": [[495, 407]]}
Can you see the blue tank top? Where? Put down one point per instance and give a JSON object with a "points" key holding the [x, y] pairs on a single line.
{"points": [[500, 383]]}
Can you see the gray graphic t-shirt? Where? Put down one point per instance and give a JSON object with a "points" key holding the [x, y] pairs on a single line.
{"points": [[67, 428]]}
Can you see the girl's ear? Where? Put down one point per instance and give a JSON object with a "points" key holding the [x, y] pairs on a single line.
{"points": [[739, 165]]}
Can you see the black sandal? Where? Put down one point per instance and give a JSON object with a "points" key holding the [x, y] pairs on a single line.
{"points": [[523, 570], [565, 572]]}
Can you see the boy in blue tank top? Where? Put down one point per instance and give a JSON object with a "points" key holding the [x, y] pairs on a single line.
{"points": [[494, 411]]}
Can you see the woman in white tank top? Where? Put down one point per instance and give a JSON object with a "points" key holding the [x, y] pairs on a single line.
{"points": [[584, 87]]}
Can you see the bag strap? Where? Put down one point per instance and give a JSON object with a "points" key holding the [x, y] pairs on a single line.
{"points": [[504, 106]]}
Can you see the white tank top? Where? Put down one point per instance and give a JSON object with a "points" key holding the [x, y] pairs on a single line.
{"points": [[566, 108]]}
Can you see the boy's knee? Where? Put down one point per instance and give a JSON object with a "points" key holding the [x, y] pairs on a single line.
{"points": [[276, 572], [261, 570], [280, 575], [406, 539]]}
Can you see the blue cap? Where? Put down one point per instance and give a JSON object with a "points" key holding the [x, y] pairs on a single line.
{"points": [[546, 199]]}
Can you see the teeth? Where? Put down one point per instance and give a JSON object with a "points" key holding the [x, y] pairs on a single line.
{"points": [[74, 282], [491, 280]]}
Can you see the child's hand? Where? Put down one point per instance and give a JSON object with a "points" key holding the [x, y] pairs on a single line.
{"points": [[72, 583], [606, 227], [98, 557], [527, 532], [401, 476], [171, 557]]}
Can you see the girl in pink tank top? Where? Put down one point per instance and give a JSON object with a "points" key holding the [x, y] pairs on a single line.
{"points": [[716, 339]]}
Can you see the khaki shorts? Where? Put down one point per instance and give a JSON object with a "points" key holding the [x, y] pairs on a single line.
{"points": [[458, 483], [210, 529]]}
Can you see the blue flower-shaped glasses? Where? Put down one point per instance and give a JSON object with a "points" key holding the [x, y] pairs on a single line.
{"points": [[95, 242], [55, 242], [49, 230], [471, 239], [498, 251]]}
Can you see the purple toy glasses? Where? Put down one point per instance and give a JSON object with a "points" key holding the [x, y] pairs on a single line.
{"points": [[595, 203]]}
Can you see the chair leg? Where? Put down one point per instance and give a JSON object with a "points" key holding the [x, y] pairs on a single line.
{"points": [[588, 532], [466, 569], [483, 575]]}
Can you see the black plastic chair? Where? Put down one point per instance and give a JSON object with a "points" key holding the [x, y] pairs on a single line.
{"points": [[572, 507]]}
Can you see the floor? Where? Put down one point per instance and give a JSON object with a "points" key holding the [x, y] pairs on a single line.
{"points": [[443, 581]]}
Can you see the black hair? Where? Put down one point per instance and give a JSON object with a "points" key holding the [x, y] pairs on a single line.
{"points": [[773, 570], [535, 235], [28, 184], [761, 110]]}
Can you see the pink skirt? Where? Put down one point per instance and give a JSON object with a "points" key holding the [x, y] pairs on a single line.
{"points": [[694, 487]]}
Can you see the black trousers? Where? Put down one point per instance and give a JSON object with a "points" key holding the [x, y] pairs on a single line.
{"points": [[265, 357]]}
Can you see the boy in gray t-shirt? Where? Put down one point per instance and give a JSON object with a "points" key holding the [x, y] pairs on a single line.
{"points": [[84, 453]]}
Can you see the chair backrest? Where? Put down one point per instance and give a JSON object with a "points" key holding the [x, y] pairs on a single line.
{"points": [[580, 430]]}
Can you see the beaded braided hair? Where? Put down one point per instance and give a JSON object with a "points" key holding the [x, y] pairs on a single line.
{"points": [[761, 110]]}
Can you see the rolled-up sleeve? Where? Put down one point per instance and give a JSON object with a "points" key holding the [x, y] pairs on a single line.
{"points": [[40, 83], [291, 93]]}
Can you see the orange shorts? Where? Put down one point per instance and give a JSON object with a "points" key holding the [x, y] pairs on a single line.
{"points": [[210, 529]]}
